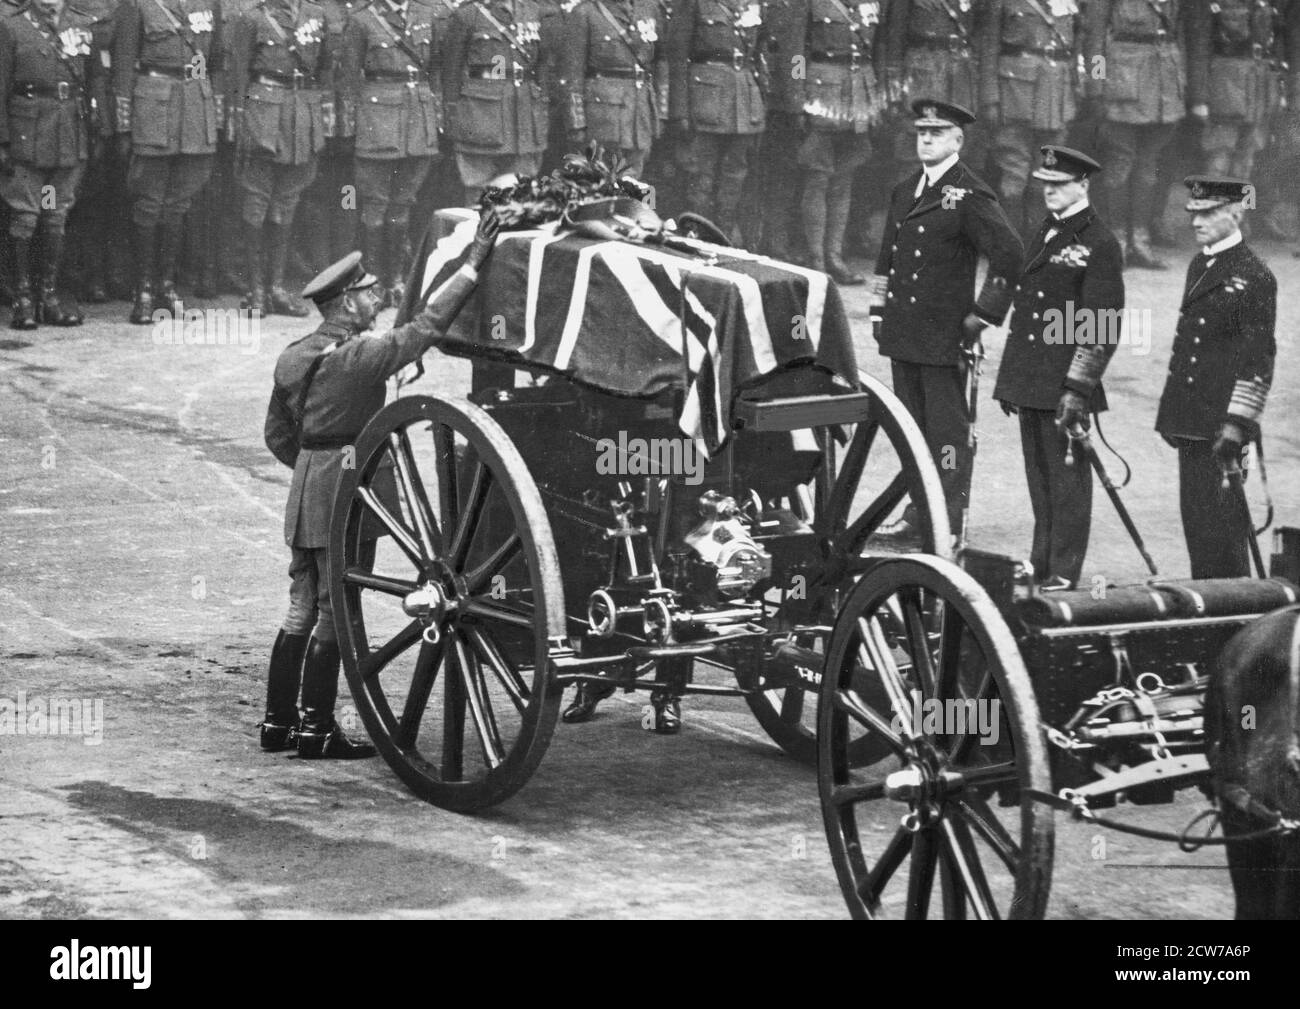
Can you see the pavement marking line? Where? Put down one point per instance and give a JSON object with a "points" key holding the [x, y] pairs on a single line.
{"points": [[111, 871], [64, 628]]}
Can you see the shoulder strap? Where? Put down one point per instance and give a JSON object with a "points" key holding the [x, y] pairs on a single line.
{"points": [[853, 24], [622, 33], [176, 27], [1051, 21], [503, 31], [397, 39]]}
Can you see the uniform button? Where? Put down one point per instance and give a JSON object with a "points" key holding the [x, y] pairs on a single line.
{"points": [[890, 295], [1040, 294], [826, 21], [912, 299], [1031, 337], [918, 253], [921, 229], [606, 38], [892, 271], [374, 99], [914, 276], [1196, 339], [1190, 380], [1035, 315], [1193, 360], [1201, 321], [894, 248]]}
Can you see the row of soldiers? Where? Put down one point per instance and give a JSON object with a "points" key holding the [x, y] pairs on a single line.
{"points": [[761, 116]]}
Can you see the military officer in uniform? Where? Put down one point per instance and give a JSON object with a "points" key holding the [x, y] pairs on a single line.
{"points": [[46, 127], [1052, 366], [1219, 375], [615, 88], [1029, 52], [393, 101], [1145, 71], [327, 387], [494, 76], [281, 112], [941, 221], [837, 95], [717, 73], [166, 60]]}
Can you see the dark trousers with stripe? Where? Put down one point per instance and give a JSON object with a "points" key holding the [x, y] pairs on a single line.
{"points": [[935, 396], [1213, 523], [1060, 495]]}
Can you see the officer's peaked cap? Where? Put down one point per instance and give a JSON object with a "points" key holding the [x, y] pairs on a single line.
{"points": [[1064, 164], [932, 112], [1209, 191], [338, 278]]}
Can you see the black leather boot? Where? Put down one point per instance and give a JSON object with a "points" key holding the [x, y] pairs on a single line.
{"points": [[373, 258], [142, 307], [170, 244], [48, 309], [281, 302], [280, 727], [254, 299], [24, 316], [319, 737], [585, 700]]}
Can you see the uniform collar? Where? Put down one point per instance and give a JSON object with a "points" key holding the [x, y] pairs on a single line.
{"points": [[1223, 246], [933, 173], [1070, 211], [335, 330]]}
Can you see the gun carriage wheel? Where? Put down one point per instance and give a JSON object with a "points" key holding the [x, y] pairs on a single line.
{"points": [[882, 461], [448, 628], [947, 672]]}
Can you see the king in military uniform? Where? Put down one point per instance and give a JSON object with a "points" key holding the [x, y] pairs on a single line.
{"points": [[1064, 330], [46, 126], [328, 386], [1219, 375]]}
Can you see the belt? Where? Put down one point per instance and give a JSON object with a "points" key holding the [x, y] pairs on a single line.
{"points": [[948, 43], [1050, 52], [406, 77], [186, 73], [326, 441], [63, 90], [854, 60], [620, 74], [1241, 50], [735, 58], [295, 80], [1159, 36], [518, 72]]}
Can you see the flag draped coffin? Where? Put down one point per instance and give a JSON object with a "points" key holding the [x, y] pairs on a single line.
{"points": [[636, 319]]}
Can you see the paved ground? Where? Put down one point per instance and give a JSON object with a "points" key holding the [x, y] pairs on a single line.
{"points": [[141, 567]]}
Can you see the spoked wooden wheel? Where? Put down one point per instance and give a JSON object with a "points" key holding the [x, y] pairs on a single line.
{"points": [[962, 726], [860, 482], [446, 637]]}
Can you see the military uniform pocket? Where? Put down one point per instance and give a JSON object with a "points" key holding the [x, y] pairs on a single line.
{"points": [[712, 98], [1124, 80], [379, 123], [1016, 87], [1230, 89], [606, 111], [262, 124], [24, 121], [481, 115], [151, 111], [429, 113]]}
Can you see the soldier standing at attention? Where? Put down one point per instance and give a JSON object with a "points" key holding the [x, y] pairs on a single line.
{"points": [[941, 220], [46, 125], [393, 101], [166, 55], [716, 79], [837, 100], [495, 82], [1073, 271], [1152, 74], [1029, 52], [616, 91], [327, 388], [281, 113], [1219, 375]]}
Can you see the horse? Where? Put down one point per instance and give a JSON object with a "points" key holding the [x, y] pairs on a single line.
{"points": [[1252, 722]]}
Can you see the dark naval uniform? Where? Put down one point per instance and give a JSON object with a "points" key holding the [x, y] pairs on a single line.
{"points": [[837, 47], [1220, 373], [166, 64], [46, 127], [1065, 326], [393, 101], [1154, 74], [494, 77], [927, 266], [717, 75], [616, 89], [281, 112], [1029, 51]]}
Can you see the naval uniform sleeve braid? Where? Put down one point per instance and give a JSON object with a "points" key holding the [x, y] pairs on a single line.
{"points": [[1257, 348], [680, 31], [573, 67], [126, 49], [1103, 292], [994, 238]]}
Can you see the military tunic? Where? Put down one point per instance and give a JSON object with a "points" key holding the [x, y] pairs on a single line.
{"points": [[46, 119], [1220, 371], [1065, 327], [495, 77], [931, 52], [612, 77]]}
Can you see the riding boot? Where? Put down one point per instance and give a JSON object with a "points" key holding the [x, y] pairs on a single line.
{"points": [[813, 211], [143, 238], [320, 736], [170, 244], [281, 301], [373, 259], [254, 299], [24, 316], [839, 196], [280, 727], [48, 309], [586, 698]]}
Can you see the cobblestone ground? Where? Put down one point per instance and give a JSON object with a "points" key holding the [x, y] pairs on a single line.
{"points": [[142, 566]]}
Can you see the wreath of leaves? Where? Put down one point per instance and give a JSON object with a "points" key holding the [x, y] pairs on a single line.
{"points": [[583, 178]]}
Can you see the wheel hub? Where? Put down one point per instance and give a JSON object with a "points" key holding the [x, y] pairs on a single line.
{"points": [[428, 604], [924, 789]]}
